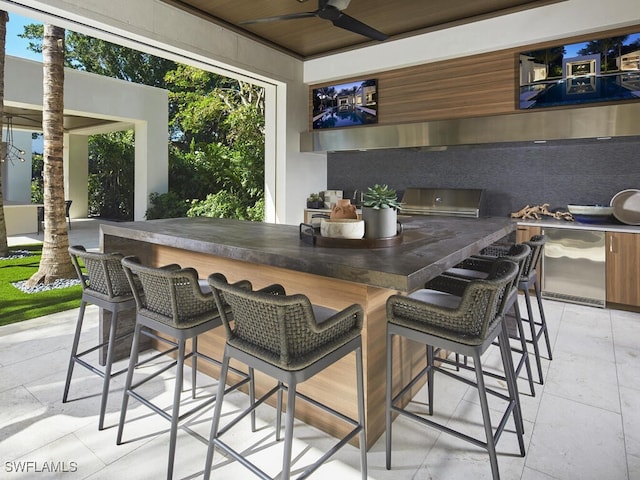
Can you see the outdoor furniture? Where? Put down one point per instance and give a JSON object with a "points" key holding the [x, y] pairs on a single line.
{"points": [[170, 301], [289, 339], [529, 279], [480, 268], [464, 322], [40, 210], [67, 208], [106, 286]]}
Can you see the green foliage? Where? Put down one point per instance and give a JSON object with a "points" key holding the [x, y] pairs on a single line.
{"points": [[166, 205], [37, 182], [225, 204], [381, 196], [216, 134], [37, 193], [17, 305], [111, 175], [103, 58]]}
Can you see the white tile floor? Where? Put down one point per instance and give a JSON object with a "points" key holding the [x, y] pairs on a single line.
{"points": [[583, 423]]}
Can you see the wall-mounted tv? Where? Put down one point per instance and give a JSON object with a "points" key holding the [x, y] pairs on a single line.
{"points": [[345, 105], [602, 70]]}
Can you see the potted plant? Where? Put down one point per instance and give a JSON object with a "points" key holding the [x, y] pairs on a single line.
{"points": [[380, 212], [315, 201]]}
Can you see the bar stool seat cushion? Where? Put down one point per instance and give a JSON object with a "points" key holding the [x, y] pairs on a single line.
{"points": [[434, 297]]}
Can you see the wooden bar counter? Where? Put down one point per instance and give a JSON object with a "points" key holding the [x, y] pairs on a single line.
{"points": [[333, 277]]}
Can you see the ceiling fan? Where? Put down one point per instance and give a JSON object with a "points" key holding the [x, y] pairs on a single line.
{"points": [[331, 10]]}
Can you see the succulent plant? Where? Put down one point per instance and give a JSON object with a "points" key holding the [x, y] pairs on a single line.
{"points": [[381, 196]]}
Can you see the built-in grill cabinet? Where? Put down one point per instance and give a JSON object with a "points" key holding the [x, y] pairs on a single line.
{"points": [[457, 202]]}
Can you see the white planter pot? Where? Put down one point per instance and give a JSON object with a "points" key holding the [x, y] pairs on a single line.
{"points": [[380, 223]]}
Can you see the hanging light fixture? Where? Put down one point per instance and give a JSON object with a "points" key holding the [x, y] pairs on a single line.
{"points": [[9, 150]]}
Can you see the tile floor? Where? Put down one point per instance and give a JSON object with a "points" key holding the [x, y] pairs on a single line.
{"points": [[583, 423]]}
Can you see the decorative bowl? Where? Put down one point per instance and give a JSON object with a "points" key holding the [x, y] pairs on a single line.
{"points": [[342, 228], [591, 213], [600, 210], [626, 206]]}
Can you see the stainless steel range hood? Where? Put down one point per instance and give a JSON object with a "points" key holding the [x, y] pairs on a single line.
{"points": [[573, 123]]}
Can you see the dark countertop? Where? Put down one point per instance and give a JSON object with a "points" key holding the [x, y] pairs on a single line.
{"points": [[609, 226], [430, 245]]}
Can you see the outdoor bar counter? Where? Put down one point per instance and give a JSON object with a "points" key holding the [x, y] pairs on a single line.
{"points": [[267, 253]]}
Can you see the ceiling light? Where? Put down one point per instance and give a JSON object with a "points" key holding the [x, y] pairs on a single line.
{"points": [[9, 150]]}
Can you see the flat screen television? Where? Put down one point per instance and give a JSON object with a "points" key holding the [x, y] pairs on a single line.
{"points": [[601, 70], [346, 104]]}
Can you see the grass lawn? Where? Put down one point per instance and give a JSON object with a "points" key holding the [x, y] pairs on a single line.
{"points": [[16, 305]]}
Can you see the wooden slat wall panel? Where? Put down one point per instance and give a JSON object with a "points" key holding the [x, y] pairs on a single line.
{"points": [[472, 86]]}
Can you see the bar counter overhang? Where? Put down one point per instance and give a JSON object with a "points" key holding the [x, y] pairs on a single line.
{"points": [[333, 277]]}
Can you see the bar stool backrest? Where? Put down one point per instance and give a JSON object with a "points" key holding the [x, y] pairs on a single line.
{"points": [[279, 328], [536, 242], [105, 277], [519, 254], [170, 294], [477, 310]]}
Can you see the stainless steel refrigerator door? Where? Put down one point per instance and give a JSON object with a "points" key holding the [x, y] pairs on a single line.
{"points": [[574, 267]]}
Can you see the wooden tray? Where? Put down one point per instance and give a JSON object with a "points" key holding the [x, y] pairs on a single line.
{"points": [[311, 235]]}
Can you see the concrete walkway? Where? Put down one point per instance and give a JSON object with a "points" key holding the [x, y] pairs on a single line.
{"points": [[84, 231]]}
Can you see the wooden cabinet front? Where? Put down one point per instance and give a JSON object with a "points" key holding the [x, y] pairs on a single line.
{"points": [[623, 258]]}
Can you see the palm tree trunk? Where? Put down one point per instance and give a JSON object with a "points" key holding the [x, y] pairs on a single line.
{"points": [[4, 17], [55, 262]]}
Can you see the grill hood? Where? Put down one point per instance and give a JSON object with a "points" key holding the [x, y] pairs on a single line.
{"points": [[574, 123], [454, 202]]}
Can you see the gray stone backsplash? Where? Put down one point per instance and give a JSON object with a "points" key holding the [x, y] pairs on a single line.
{"points": [[512, 174]]}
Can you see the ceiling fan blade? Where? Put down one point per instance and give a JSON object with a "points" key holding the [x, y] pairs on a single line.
{"points": [[329, 10], [356, 26], [291, 16]]}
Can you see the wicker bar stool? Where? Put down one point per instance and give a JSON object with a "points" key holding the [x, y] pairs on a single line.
{"points": [[465, 322], [170, 301], [479, 268], [528, 279], [289, 339], [105, 285]]}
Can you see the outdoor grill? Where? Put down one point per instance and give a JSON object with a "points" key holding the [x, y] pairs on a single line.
{"points": [[455, 202]]}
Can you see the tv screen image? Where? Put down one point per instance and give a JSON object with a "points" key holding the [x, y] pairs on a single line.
{"points": [[602, 70], [346, 105]]}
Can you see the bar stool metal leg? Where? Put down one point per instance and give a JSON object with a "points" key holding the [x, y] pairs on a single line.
{"points": [[543, 319], [107, 367], [363, 433], [133, 360], [288, 431], [74, 350], [524, 350], [512, 388], [175, 414], [486, 416], [534, 336]]}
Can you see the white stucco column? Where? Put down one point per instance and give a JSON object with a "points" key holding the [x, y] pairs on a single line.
{"points": [[76, 174], [151, 162], [16, 175]]}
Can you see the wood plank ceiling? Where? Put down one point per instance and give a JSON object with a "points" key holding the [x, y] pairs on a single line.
{"points": [[312, 37]]}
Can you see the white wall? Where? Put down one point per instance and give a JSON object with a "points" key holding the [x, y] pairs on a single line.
{"points": [[16, 175], [88, 95], [76, 167]]}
